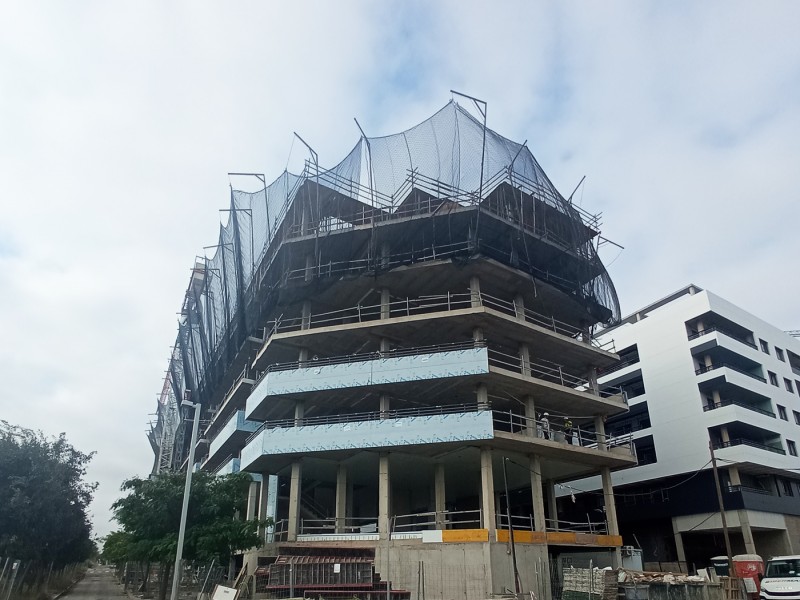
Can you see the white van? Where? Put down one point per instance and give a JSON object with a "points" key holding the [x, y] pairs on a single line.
{"points": [[782, 579]]}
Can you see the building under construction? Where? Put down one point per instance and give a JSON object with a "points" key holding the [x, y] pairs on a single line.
{"points": [[400, 349]]}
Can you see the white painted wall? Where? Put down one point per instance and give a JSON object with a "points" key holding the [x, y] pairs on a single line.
{"points": [[678, 423]]}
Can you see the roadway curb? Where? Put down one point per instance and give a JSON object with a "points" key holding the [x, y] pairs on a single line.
{"points": [[69, 587]]}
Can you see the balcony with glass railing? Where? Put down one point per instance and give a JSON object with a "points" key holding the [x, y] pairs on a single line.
{"points": [[752, 374], [741, 404], [721, 330]]}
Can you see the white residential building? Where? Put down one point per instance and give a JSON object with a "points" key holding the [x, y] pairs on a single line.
{"points": [[699, 370]]}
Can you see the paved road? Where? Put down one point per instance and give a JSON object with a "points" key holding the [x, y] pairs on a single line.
{"points": [[99, 584]]}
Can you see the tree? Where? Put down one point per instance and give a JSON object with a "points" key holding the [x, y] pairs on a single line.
{"points": [[43, 498], [150, 516]]}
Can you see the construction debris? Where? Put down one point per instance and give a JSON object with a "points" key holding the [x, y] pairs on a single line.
{"points": [[644, 577]]}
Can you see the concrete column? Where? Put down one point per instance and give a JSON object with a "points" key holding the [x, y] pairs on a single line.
{"points": [[263, 503], [439, 495], [299, 411], [303, 355], [519, 307], [600, 430], [723, 432], [477, 334], [475, 291], [309, 272], [744, 516], [608, 500], [594, 387], [733, 475], [385, 303], [707, 361], [385, 345], [384, 405], [525, 359], [384, 487], [252, 501], [295, 491], [611, 512], [305, 321], [487, 493], [483, 396], [550, 488], [539, 522], [747, 532], [716, 397], [341, 498], [678, 542], [530, 414]]}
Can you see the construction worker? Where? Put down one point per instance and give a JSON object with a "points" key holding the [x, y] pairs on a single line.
{"points": [[545, 426], [568, 429]]}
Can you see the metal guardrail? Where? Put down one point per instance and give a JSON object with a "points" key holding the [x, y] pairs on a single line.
{"points": [[375, 415], [448, 519], [525, 523], [501, 421], [346, 525], [549, 430], [406, 307]]}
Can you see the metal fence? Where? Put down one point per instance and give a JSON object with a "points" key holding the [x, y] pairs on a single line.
{"points": [[145, 579], [27, 580]]}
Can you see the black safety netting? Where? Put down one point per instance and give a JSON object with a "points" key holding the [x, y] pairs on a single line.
{"points": [[450, 156]]}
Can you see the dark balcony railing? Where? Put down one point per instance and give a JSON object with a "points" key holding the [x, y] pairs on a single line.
{"points": [[729, 402], [748, 490], [707, 368], [712, 329], [626, 362], [751, 443]]}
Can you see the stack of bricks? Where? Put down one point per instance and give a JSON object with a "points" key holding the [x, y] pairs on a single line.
{"points": [[589, 584]]}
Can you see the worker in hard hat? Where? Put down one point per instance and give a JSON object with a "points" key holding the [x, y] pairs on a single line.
{"points": [[546, 426]]}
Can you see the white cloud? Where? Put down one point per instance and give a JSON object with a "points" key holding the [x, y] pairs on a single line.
{"points": [[118, 124]]}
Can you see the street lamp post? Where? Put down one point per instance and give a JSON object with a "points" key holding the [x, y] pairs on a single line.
{"points": [[176, 577]]}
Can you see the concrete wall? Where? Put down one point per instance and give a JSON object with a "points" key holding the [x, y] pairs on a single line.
{"points": [[464, 571], [793, 532], [533, 566], [451, 571], [771, 543]]}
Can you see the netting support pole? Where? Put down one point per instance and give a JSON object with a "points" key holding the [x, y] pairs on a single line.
{"points": [[315, 158], [482, 109], [373, 243]]}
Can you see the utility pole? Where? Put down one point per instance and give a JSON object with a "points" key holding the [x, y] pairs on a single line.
{"points": [[517, 581], [176, 576], [721, 510]]}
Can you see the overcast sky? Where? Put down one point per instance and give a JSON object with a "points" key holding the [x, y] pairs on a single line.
{"points": [[119, 123]]}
